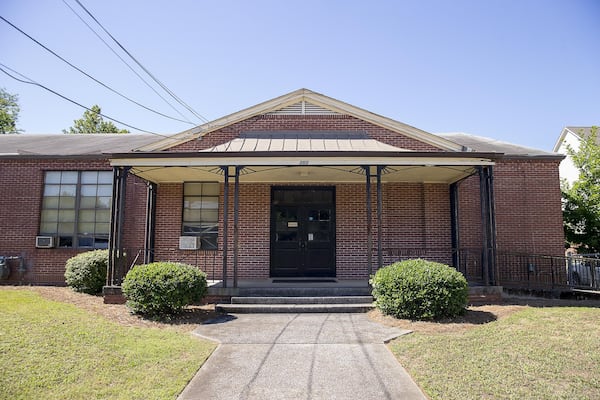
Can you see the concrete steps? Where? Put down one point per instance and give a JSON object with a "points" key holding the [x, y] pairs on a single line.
{"points": [[304, 291], [297, 304], [325, 299]]}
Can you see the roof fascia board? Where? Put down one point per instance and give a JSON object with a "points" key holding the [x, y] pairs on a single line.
{"points": [[312, 97], [561, 139], [18, 156], [548, 157], [302, 161]]}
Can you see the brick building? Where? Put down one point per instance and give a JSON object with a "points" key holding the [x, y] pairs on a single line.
{"points": [[301, 186]]}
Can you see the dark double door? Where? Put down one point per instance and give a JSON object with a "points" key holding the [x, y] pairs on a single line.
{"points": [[303, 232]]}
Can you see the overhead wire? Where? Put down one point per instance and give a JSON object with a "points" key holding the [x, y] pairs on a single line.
{"points": [[162, 85], [30, 81], [123, 60], [88, 75]]}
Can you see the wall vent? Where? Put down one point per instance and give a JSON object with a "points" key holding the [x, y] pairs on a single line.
{"points": [[303, 108]]}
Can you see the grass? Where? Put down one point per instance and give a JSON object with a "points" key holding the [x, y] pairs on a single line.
{"points": [[537, 353], [53, 350]]}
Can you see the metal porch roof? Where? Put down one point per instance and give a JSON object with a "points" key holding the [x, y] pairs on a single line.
{"points": [[303, 141]]}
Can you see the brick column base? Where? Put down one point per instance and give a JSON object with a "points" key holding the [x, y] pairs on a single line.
{"points": [[113, 295]]}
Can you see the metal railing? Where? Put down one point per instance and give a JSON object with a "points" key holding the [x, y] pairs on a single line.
{"points": [[583, 271], [209, 261], [514, 270]]}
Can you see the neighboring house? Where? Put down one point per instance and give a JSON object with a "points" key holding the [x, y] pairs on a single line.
{"points": [[300, 186], [570, 137]]}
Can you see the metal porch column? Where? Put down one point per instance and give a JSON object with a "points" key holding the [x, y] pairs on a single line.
{"points": [[115, 241], [380, 168], [454, 225], [367, 169], [150, 223], [488, 224], [492, 226], [236, 212], [225, 222]]}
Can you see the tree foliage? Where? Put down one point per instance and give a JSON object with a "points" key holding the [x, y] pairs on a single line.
{"points": [[581, 201], [92, 122], [9, 112]]}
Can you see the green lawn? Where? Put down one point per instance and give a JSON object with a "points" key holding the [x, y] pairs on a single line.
{"points": [[537, 353], [52, 350]]}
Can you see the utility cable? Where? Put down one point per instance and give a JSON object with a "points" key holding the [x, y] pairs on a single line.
{"points": [[125, 62], [32, 82], [162, 85], [88, 75]]}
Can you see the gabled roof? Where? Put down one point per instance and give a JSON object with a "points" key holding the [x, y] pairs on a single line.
{"points": [[484, 144], [313, 100], [53, 145], [577, 131]]}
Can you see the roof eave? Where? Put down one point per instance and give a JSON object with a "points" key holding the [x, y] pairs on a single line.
{"points": [[307, 154], [549, 157]]}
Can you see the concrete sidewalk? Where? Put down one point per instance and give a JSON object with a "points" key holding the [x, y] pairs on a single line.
{"points": [[300, 356]]}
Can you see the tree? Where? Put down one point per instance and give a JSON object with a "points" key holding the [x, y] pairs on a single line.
{"points": [[9, 112], [581, 202], [92, 122]]}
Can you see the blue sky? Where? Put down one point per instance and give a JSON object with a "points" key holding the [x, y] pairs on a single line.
{"points": [[517, 71]]}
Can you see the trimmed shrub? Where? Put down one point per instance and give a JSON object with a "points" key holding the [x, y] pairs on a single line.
{"points": [[86, 272], [163, 288], [420, 289]]}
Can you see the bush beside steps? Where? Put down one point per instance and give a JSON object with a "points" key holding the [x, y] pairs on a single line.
{"points": [[420, 290], [86, 272], [163, 288]]}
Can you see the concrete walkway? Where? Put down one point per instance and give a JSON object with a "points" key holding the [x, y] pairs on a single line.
{"points": [[300, 356]]}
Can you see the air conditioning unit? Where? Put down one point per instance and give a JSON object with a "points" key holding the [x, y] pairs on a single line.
{"points": [[189, 243], [44, 242]]}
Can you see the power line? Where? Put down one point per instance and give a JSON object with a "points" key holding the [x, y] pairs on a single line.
{"points": [[124, 62], [162, 85], [88, 75], [30, 81]]}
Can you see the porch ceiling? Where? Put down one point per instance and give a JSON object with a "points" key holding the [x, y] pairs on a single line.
{"points": [[305, 174], [304, 167]]}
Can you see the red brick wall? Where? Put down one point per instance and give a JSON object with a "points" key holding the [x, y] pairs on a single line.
{"points": [[303, 122], [528, 207], [408, 225], [469, 213], [21, 190], [416, 217], [416, 221]]}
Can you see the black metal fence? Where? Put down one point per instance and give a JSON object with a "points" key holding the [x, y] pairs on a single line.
{"points": [[209, 261], [515, 270]]}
